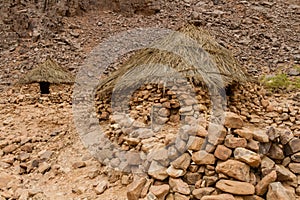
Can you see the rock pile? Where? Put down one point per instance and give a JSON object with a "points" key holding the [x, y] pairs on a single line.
{"points": [[259, 107], [238, 163]]}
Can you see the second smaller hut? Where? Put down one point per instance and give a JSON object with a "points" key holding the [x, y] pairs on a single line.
{"points": [[49, 72]]}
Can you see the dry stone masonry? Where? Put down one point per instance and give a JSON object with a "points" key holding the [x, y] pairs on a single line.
{"points": [[244, 163]]}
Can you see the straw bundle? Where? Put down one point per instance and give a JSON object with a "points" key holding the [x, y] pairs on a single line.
{"points": [[48, 72], [191, 52]]}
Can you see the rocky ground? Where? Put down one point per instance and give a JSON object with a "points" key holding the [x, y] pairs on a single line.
{"points": [[41, 154]]}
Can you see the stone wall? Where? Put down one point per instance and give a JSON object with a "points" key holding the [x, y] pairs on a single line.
{"points": [[241, 163]]}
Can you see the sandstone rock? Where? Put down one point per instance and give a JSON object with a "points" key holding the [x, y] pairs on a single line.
{"points": [[209, 181], [278, 192], [178, 185], [234, 169], [133, 158], [253, 145], [164, 112], [5, 179], [132, 141], [262, 186], [195, 143], [296, 157], [199, 193], [172, 153], [146, 187], [175, 173], [170, 196], [295, 167], [191, 177], [272, 133], [235, 187], [219, 197], [178, 196], [101, 187], [44, 167], [216, 134], [247, 156], [203, 158], [45, 155], [276, 152], [264, 148], [182, 162], [267, 165], [157, 171], [283, 174], [180, 145], [160, 156], [234, 142], [252, 197], [260, 136], [9, 148], [79, 164], [286, 161], [244, 133], [222, 152], [232, 120], [286, 136], [292, 146], [160, 191], [135, 188]]}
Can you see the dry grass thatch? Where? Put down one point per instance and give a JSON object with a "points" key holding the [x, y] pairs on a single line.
{"points": [[49, 72], [217, 67]]}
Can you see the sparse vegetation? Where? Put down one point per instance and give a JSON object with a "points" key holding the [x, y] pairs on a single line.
{"points": [[281, 82]]}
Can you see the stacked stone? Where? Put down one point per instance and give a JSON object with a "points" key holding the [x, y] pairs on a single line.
{"points": [[31, 95], [259, 107], [166, 105], [232, 162]]}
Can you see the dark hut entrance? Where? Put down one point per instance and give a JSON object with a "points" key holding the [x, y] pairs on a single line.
{"points": [[44, 87], [47, 73]]}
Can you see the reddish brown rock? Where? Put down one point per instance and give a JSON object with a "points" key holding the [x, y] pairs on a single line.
{"points": [[232, 120], [262, 186], [244, 133], [157, 171], [292, 146], [267, 165], [276, 152], [260, 136], [216, 134], [247, 156], [219, 197], [160, 191], [178, 196], [235, 187], [175, 173], [135, 188], [222, 152], [295, 167], [278, 192], [182, 162], [199, 193], [178, 185], [283, 174], [234, 142], [253, 145], [203, 158], [234, 169], [195, 143]]}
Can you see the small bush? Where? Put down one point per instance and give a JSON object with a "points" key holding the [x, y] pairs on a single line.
{"points": [[279, 81]]}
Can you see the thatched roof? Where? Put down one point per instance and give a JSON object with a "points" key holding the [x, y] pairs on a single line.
{"points": [[50, 72], [216, 66]]}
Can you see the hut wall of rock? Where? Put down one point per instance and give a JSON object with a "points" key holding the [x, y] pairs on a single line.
{"points": [[30, 94], [242, 163]]}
